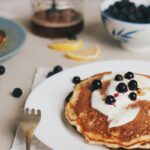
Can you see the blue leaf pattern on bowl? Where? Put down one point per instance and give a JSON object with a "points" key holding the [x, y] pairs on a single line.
{"points": [[122, 35], [119, 34]]}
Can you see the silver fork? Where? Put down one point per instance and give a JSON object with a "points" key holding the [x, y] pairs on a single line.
{"points": [[29, 121]]}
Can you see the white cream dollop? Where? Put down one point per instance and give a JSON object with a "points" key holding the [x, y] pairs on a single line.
{"points": [[120, 114]]}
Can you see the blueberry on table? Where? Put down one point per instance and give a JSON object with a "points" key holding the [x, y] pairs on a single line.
{"points": [[133, 96], [133, 85], [2, 70], [96, 84], [110, 100], [50, 74], [118, 77], [57, 69], [122, 88], [17, 92], [76, 80], [129, 75]]}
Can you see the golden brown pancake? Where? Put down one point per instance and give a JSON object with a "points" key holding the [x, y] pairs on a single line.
{"points": [[93, 125]]}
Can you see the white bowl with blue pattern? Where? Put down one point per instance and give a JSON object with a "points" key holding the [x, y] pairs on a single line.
{"points": [[132, 36]]}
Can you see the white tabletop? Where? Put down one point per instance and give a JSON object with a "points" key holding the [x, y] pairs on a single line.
{"points": [[20, 69]]}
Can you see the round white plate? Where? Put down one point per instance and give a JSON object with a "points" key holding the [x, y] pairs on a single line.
{"points": [[54, 130]]}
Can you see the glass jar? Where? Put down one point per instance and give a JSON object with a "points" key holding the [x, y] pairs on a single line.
{"points": [[57, 18]]}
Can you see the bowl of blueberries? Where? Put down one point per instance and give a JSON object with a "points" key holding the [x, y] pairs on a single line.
{"points": [[128, 21]]}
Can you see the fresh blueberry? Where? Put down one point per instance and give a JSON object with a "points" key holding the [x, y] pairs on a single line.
{"points": [[2, 70], [122, 88], [125, 1], [124, 11], [118, 77], [96, 84], [118, 5], [133, 85], [111, 7], [110, 100], [131, 5], [129, 75], [133, 96], [50, 74], [141, 7], [57, 69], [76, 80], [148, 20], [69, 96], [17, 92], [132, 18]]}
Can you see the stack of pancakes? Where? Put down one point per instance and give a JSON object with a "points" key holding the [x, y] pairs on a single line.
{"points": [[93, 125]]}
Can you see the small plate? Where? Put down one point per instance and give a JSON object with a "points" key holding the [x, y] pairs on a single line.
{"points": [[49, 96], [15, 38]]}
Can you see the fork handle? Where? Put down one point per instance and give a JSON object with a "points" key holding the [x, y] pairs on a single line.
{"points": [[28, 146], [28, 140]]}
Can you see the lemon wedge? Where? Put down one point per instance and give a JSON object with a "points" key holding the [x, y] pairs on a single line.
{"points": [[88, 54], [67, 45]]}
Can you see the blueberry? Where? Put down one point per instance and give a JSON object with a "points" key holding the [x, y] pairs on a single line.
{"points": [[122, 88], [57, 69], [115, 12], [148, 10], [118, 77], [76, 80], [110, 100], [110, 9], [132, 18], [50, 74], [148, 20], [141, 7], [2, 70], [125, 1], [133, 85], [139, 16], [124, 11], [129, 75], [118, 5], [133, 96], [96, 84], [17, 92], [69, 96]]}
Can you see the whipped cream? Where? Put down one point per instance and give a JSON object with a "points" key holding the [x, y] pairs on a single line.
{"points": [[120, 114]]}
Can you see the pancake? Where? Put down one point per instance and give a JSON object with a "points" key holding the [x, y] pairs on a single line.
{"points": [[94, 124], [3, 38]]}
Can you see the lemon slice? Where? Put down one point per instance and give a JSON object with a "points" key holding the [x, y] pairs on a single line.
{"points": [[88, 54], [68, 45]]}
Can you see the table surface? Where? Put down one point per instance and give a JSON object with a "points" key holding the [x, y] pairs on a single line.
{"points": [[21, 68]]}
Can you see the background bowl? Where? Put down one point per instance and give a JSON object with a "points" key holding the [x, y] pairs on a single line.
{"points": [[132, 36]]}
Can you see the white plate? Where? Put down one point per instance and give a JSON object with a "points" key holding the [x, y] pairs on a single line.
{"points": [[54, 130]]}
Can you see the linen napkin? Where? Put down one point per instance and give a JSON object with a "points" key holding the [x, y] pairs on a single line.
{"points": [[19, 140]]}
